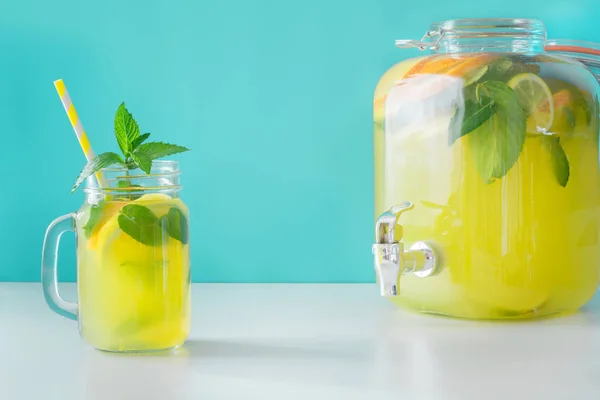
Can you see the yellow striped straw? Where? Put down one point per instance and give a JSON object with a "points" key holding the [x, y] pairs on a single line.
{"points": [[77, 126]]}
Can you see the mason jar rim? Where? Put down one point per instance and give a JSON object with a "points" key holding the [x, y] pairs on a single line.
{"points": [[161, 164], [470, 27], [163, 178]]}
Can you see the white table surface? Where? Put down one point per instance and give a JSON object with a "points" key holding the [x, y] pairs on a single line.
{"points": [[302, 342]]}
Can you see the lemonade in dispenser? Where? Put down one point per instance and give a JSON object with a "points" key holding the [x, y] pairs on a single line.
{"points": [[487, 178]]}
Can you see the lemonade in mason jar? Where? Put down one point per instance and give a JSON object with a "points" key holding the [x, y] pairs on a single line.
{"points": [[494, 143], [133, 264], [133, 259]]}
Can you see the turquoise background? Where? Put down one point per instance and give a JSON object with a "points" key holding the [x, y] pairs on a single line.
{"points": [[274, 97]]}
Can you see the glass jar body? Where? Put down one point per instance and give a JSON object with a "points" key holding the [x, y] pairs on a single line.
{"points": [[499, 153], [133, 261]]}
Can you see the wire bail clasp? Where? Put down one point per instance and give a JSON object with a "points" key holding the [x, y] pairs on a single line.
{"points": [[429, 41]]}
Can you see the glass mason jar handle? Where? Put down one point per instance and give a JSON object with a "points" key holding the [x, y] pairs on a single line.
{"points": [[60, 225]]}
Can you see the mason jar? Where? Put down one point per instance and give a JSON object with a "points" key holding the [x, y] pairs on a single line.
{"points": [[133, 262]]}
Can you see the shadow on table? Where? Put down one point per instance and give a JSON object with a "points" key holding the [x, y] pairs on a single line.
{"points": [[241, 349], [423, 325], [208, 366], [287, 351]]}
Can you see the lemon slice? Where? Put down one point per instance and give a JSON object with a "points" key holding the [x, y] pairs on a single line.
{"points": [[108, 210], [475, 75], [536, 99]]}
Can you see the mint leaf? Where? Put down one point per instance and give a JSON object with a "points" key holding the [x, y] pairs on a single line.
{"points": [[142, 160], [126, 183], [126, 129], [475, 114], [582, 103], [522, 67], [504, 68], [155, 150], [141, 224], [498, 142], [560, 162], [141, 139], [177, 225], [96, 164], [95, 214], [570, 115], [498, 69], [501, 65]]}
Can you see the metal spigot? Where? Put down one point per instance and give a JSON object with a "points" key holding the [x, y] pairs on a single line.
{"points": [[391, 260]]}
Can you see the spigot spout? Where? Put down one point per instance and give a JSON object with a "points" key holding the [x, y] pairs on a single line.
{"points": [[391, 261], [388, 262]]}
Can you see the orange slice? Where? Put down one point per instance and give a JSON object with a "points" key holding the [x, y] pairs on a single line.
{"points": [[469, 68], [458, 67], [433, 65], [564, 112], [562, 98]]}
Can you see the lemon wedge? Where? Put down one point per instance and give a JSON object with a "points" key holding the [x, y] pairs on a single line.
{"points": [[536, 99]]}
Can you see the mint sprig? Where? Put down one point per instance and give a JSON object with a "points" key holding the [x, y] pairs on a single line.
{"points": [[141, 224], [139, 140], [96, 164], [126, 129], [154, 150], [499, 141], [137, 153], [177, 225], [95, 215], [142, 160], [560, 162], [496, 124], [476, 112]]}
